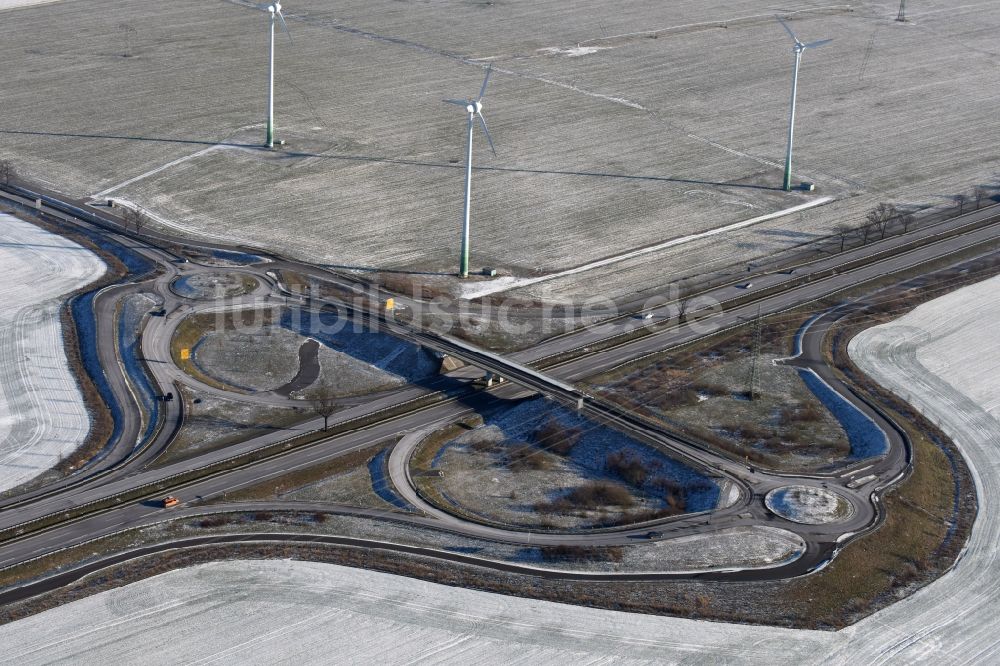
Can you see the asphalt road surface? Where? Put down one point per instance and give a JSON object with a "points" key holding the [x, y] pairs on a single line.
{"points": [[125, 464]]}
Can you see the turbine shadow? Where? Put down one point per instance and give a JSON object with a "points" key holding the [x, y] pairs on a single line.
{"points": [[552, 172], [122, 137], [395, 161], [375, 269]]}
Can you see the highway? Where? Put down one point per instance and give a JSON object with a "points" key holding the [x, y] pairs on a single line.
{"points": [[124, 468]]}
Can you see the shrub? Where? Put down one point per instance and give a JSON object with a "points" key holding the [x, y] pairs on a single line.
{"points": [[525, 456], [583, 553], [556, 438], [684, 397], [800, 414], [213, 521], [627, 466], [483, 446], [599, 493], [711, 389]]}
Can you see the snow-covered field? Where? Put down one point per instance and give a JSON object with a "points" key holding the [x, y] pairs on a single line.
{"points": [[14, 4], [42, 416], [300, 612]]}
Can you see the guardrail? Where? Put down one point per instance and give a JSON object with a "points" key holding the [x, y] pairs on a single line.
{"points": [[179, 479]]}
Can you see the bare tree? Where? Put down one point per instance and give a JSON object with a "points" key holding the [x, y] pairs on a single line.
{"points": [[980, 194], [844, 231], [684, 300], [140, 220], [906, 219], [879, 217], [323, 400], [7, 172], [127, 34], [134, 218], [864, 232], [960, 200]]}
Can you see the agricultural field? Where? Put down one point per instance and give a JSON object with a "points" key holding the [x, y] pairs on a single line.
{"points": [[618, 128], [42, 413]]}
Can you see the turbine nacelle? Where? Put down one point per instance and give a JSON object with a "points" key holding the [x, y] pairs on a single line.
{"points": [[799, 47], [274, 9], [474, 107]]}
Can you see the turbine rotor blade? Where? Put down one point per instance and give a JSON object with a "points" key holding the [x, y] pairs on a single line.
{"points": [[456, 102], [486, 80], [285, 26], [486, 130], [788, 29], [816, 45]]}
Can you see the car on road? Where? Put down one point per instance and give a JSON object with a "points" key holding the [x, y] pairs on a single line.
{"points": [[170, 501]]}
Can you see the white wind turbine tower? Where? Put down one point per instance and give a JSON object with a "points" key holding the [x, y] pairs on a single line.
{"points": [[474, 107], [274, 9], [797, 49]]}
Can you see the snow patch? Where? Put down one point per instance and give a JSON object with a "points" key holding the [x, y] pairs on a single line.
{"points": [[42, 415], [573, 51]]}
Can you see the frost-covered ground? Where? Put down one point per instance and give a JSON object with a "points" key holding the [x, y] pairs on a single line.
{"points": [[302, 612], [478, 479], [14, 4], [214, 285], [258, 360], [353, 361], [359, 360], [213, 422], [482, 476], [42, 416], [596, 443], [807, 505], [618, 126]]}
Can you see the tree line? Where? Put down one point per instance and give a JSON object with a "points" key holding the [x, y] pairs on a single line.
{"points": [[883, 218]]}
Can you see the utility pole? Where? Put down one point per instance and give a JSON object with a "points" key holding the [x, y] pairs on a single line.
{"points": [[753, 393], [901, 17]]}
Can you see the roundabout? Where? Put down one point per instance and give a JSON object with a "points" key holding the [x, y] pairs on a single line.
{"points": [[208, 286], [808, 505]]}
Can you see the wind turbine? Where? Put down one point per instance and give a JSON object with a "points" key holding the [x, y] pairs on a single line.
{"points": [[474, 107], [797, 50], [274, 9]]}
